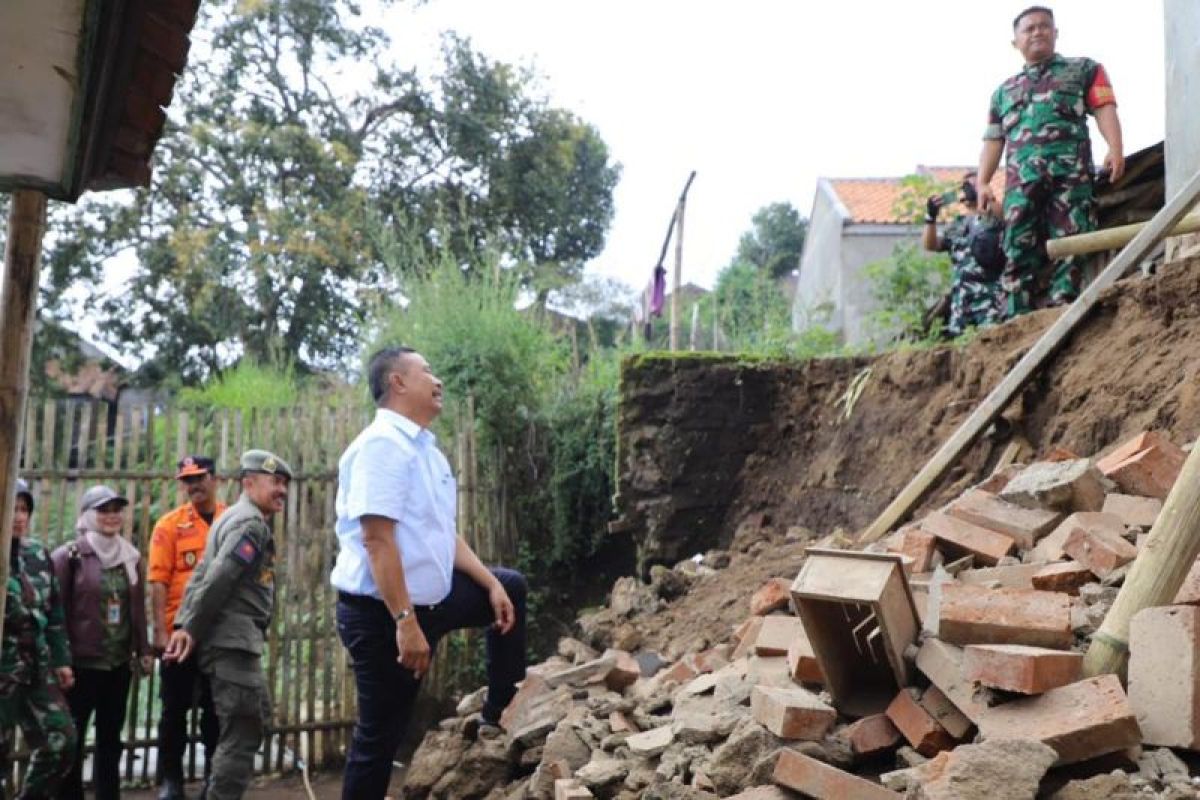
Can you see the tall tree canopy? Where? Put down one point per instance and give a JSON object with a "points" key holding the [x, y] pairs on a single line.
{"points": [[295, 146], [775, 240]]}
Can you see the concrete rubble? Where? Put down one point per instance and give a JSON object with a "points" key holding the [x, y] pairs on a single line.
{"points": [[942, 662]]}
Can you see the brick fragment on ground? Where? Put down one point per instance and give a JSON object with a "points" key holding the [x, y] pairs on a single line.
{"points": [[999, 478], [1164, 675], [988, 771], [1051, 548], [1018, 668], [1082, 720], [777, 634], [802, 662], [1147, 465], [942, 664], [619, 722], [1062, 576], [746, 635], [1098, 542], [939, 706], [975, 615], [791, 713], [1130, 448], [1025, 526], [871, 736], [625, 670], [923, 732], [987, 546], [1134, 511], [816, 779], [1013, 576], [1064, 486], [774, 595], [916, 544]]}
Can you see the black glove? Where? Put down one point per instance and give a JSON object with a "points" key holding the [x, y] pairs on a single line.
{"points": [[932, 206]]}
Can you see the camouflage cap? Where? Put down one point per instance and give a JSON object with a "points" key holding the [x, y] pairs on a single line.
{"points": [[98, 496], [24, 491], [263, 461]]}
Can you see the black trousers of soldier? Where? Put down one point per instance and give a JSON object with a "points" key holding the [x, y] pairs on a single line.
{"points": [[103, 692], [183, 688], [386, 690]]}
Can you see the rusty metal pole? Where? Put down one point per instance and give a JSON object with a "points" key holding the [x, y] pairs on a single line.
{"points": [[18, 310]]}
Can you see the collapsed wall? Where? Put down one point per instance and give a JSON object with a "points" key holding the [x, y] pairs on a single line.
{"points": [[704, 441]]}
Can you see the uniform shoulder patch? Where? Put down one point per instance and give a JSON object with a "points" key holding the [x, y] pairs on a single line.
{"points": [[245, 551]]}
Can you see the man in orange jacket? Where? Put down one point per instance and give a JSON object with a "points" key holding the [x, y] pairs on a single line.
{"points": [[176, 547]]}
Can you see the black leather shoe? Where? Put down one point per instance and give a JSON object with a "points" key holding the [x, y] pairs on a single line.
{"points": [[171, 789]]}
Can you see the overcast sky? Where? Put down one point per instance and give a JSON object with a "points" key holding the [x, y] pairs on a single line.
{"points": [[762, 97]]}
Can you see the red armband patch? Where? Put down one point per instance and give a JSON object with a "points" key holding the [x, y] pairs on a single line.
{"points": [[1100, 93], [245, 550]]}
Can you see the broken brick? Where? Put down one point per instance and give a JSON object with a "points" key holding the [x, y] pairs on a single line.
{"points": [[625, 670], [1082, 720], [935, 701], [1014, 576], [817, 779], [942, 664], [774, 595], [914, 543], [1100, 545], [1062, 576], [1051, 547], [1164, 675], [1130, 448], [975, 615], [776, 635], [1019, 668], [746, 635], [871, 736], [802, 662], [1064, 486], [987, 546], [619, 722], [1151, 473], [791, 713], [999, 478], [1134, 511], [923, 732], [1025, 526]]}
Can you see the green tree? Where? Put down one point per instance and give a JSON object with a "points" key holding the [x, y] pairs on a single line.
{"points": [[290, 127], [905, 285], [775, 241]]}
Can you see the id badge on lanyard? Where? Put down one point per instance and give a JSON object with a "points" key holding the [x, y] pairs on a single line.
{"points": [[113, 615]]}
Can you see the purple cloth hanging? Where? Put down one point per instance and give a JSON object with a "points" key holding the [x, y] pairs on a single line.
{"points": [[658, 292]]}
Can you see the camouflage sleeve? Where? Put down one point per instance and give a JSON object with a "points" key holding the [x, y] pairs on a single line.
{"points": [[207, 593], [56, 628], [994, 131]]}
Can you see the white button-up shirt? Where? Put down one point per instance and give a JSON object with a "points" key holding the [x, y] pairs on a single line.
{"points": [[394, 469]]}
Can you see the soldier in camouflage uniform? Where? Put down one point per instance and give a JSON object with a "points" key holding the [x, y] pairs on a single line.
{"points": [[225, 612], [35, 665], [1040, 116], [976, 299]]}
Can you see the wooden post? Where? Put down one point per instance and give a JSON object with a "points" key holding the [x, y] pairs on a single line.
{"points": [[1039, 354], [678, 273], [1111, 238], [1156, 575], [18, 310]]}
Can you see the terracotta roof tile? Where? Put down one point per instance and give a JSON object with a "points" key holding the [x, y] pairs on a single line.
{"points": [[873, 200]]}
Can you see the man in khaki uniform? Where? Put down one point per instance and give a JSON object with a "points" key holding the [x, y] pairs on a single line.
{"points": [[225, 613]]}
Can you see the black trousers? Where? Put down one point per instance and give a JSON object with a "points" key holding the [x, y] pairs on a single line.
{"points": [[386, 690], [106, 693], [183, 687]]}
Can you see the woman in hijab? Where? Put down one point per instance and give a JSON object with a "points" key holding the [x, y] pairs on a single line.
{"points": [[104, 598]]}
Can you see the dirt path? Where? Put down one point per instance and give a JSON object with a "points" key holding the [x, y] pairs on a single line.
{"points": [[325, 787]]}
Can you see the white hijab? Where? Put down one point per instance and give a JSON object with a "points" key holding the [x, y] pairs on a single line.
{"points": [[112, 550]]}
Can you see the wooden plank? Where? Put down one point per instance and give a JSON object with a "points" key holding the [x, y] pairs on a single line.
{"points": [[1027, 367]]}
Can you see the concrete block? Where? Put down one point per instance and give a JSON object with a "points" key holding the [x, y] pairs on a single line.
{"points": [[935, 701], [912, 542], [1051, 548], [791, 713], [923, 732], [774, 595], [871, 736], [1013, 576], [1025, 526], [651, 743], [769, 671], [942, 664], [1064, 486], [777, 634], [1018, 668], [966, 538], [1062, 576], [570, 789], [1100, 544], [1189, 593], [817, 779], [1164, 675], [1134, 511], [1082, 720], [802, 662], [974, 615]]}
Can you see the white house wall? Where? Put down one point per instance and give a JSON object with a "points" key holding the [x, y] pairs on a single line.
{"points": [[861, 246], [819, 284]]}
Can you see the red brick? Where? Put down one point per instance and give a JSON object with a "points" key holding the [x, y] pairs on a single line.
{"points": [[935, 701], [624, 673], [917, 545], [791, 713], [996, 482], [819, 780], [1100, 548], [1059, 453], [1130, 448], [746, 635], [777, 634], [1082, 720], [1017, 668], [619, 722], [974, 615], [923, 732], [1189, 593], [1051, 548], [679, 672], [1025, 526], [773, 595], [711, 660], [871, 736], [1151, 473], [942, 664], [1164, 675], [987, 546], [802, 662], [1134, 511], [1014, 576], [1062, 576]]}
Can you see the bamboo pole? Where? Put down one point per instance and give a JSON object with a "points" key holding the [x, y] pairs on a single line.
{"points": [[1112, 238], [18, 310], [1156, 575], [678, 276], [1038, 355]]}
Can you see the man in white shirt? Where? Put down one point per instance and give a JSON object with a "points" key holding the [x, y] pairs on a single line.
{"points": [[404, 576]]}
